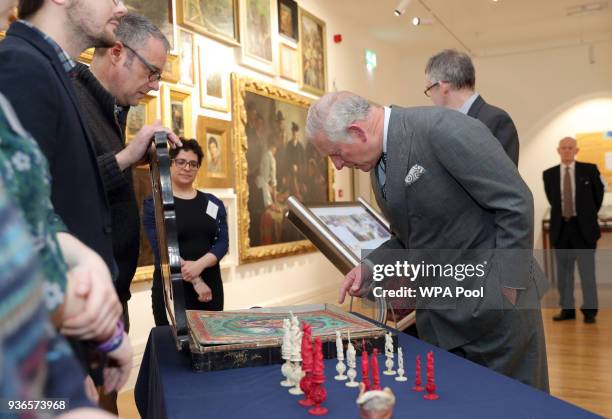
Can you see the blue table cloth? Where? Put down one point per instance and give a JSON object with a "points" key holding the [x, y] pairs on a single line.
{"points": [[168, 388]]}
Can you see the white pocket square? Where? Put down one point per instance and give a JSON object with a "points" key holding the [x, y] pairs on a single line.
{"points": [[414, 174]]}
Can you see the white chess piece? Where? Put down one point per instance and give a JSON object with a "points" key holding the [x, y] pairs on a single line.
{"points": [[389, 355], [400, 366], [340, 367], [351, 356], [296, 358], [286, 353]]}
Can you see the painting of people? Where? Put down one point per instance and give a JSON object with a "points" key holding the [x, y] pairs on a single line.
{"points": [[313, 54]]}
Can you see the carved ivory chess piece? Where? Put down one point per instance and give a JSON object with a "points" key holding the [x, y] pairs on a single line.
{"points": [[389, 355], [340, 367], [400, 365], [286, 353], [351, 360]]}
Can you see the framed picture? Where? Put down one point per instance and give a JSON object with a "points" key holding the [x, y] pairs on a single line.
{"points": [[159, 12], [288, 19], [214, 136], [259, 35], [172, 70], [214, 79], [176, 110], [273, 162], [217, 19], [187, 57], [289, 62], [145, 113], [313, 54]]}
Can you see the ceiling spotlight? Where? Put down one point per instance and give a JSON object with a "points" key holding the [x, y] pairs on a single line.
{"points": [[416, 21], [401, 7]]}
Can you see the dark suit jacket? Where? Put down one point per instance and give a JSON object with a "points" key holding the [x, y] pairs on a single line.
{"points": [[38, 87], [500, 124], [589, 197], [450, 186]]}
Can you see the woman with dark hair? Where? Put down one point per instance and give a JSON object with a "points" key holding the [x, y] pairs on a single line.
{"points": [[201, 224]]}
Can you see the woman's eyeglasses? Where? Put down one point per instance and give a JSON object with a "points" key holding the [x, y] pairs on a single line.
{"points": [[184, 164]]}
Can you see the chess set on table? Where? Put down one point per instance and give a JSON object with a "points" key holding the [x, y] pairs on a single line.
{"points": [[304, 370]]}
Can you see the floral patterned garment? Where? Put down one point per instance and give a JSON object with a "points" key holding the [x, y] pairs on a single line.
{"points": [[25, 173]]}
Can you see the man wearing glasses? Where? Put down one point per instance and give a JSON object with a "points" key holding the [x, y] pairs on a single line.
{"points": [[120, 76], [451, 78]]}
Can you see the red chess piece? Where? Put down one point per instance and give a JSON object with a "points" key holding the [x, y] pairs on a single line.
{"points": [[431, 385], [365, 368], [307, 365], [318, 394], [375, 371], [418, 385]]}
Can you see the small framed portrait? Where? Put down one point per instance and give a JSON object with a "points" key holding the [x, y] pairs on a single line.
{"points": [[288, 20], [259, 35], [214, 136], [172, 69], [217, 19], [289, 63], [214, 78], [176, 110], [313, 54], [145, 113], [187, 57]]}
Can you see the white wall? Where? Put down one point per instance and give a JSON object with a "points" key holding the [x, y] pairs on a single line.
{"points": [[288, 280]]}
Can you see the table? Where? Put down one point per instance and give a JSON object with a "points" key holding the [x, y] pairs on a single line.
{"points": [[168, 388]]}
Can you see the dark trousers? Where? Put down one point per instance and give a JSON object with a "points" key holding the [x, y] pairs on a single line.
{"points": [[516, 347], [571, 248]]}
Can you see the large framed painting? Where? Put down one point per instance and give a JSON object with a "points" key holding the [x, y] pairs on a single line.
{"points": [[217, 19], [288, 20], [596, 148], [313, 54], [176, 110], [145, 113], [187, 57], [273, 162], [259, 35], [214, 77], [158, 11], [214, 136]]}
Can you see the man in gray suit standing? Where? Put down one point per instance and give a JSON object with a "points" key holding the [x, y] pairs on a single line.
{"points": [[451, 82], [442, 181]]}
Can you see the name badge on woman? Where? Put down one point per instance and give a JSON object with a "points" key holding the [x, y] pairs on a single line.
{"points": [[212, 209]]}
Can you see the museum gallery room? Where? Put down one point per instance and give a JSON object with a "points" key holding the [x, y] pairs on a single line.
{"points": [[279, 265]]}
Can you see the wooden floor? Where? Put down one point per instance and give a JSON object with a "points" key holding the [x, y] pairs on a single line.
{"points": [[579, 363]]}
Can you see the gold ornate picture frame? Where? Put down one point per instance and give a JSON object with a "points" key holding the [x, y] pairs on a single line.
{"points": [[214, 136], [266, 120], [313, 54], [217, 19], [177, 110]]}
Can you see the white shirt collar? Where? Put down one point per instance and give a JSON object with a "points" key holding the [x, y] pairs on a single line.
{"points": [[465, 108], [386, 127]]}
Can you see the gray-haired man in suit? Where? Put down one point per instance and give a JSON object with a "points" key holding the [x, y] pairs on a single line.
{"points": [[443, 182], [451, 82]]}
